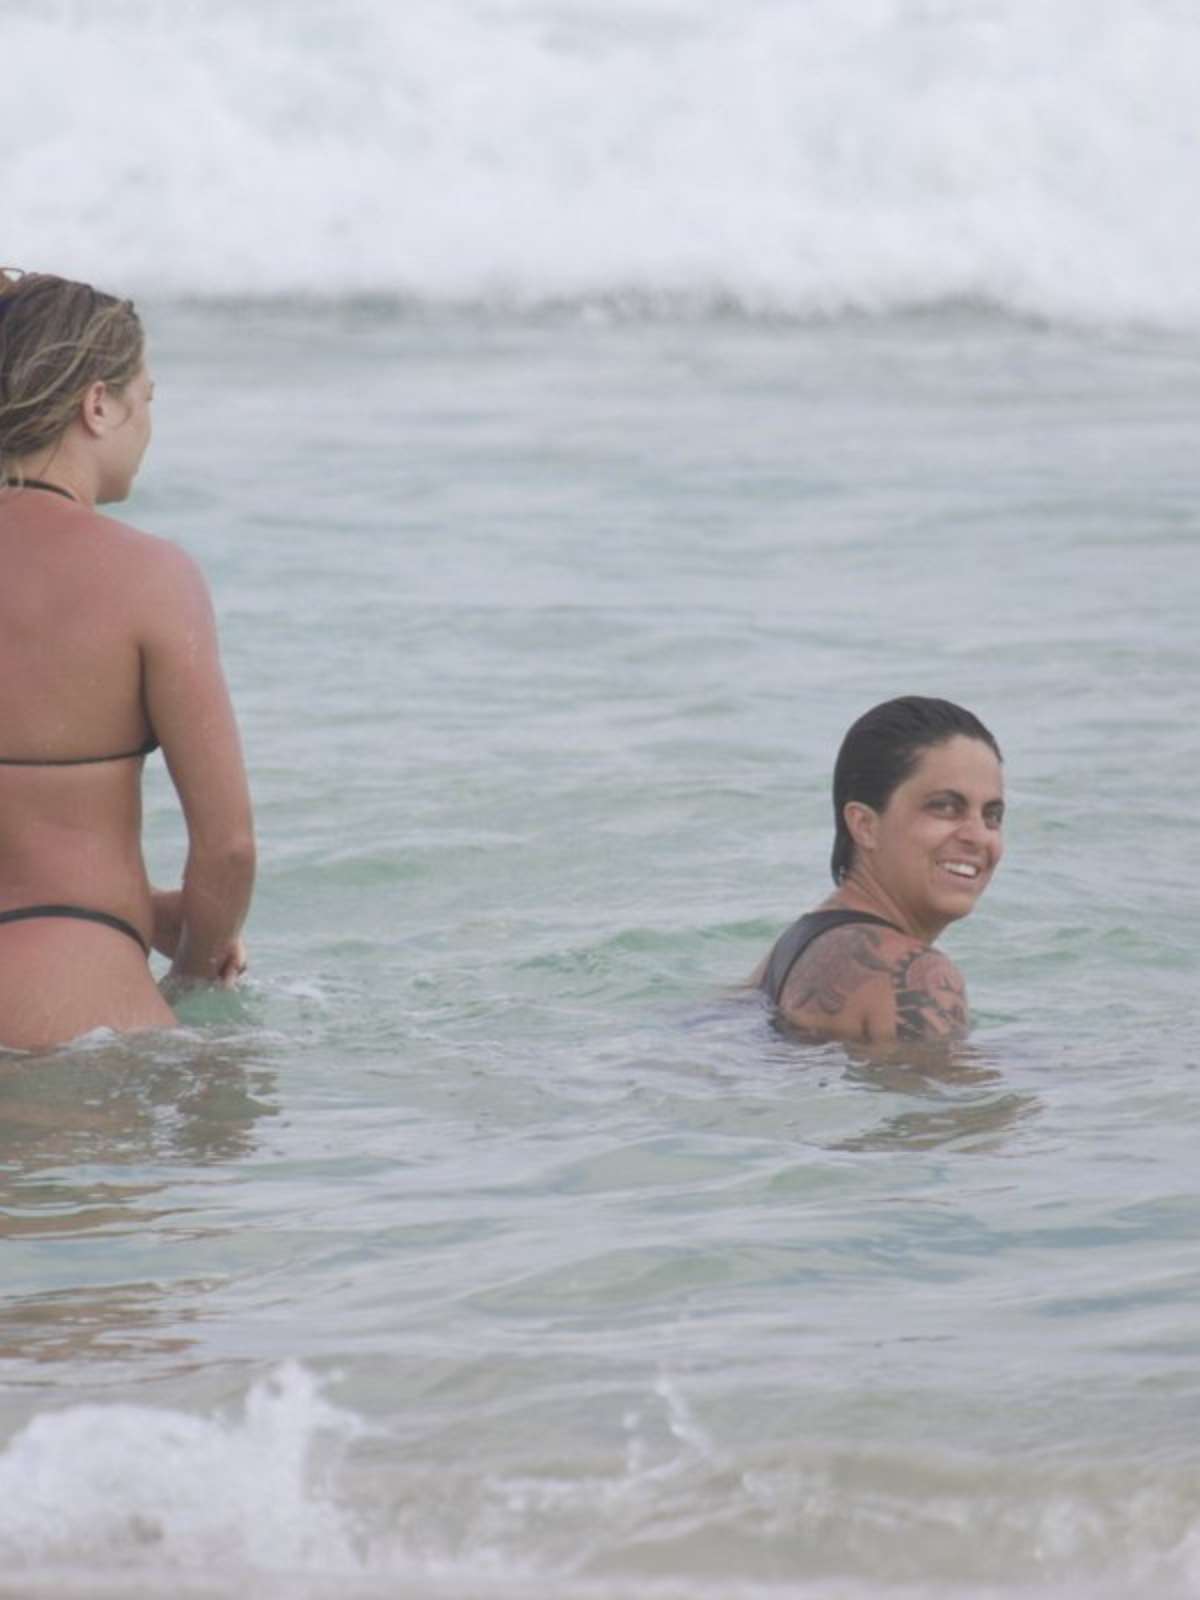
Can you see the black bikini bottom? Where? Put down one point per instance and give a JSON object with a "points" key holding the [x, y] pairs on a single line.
{"points": [[80, 914]]}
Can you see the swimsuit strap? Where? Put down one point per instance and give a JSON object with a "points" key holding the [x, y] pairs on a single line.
{"points": [[792, 943], [146, 749], [80, 914], [38, 483]]}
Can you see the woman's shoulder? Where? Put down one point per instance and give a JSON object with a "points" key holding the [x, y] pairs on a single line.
{"points": [[923, 995], [868, 980], [137, 541], [162, 565]]}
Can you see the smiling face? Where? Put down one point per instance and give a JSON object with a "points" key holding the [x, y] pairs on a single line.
{"points": [[931, 852]]}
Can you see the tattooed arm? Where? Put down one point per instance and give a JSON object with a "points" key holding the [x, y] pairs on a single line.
{"points": [[876, 987], [929, 997], [828, 991]]}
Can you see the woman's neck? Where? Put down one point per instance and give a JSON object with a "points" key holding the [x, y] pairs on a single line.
{"points": [[859, 891], [39, 483], [62, 468]]}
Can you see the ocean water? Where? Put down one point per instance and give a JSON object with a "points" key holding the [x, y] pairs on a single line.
{"points": [[575, 445]]}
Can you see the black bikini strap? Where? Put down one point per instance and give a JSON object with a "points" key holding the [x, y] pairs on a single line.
{"points": [[147, 749], [38, 483], [794, 941], [80, 914]]}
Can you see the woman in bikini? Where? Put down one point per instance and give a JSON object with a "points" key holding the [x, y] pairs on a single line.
{"points": [[918, 804], [108, 649]]}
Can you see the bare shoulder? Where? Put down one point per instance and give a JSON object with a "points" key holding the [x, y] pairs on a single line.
{"points": [[926, 998], [829, 989], [164, 584], [875, 985], [151, 549]]}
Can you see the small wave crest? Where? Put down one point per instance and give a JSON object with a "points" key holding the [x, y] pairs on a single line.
{"points": [[138, 1501], [137, 1488]]}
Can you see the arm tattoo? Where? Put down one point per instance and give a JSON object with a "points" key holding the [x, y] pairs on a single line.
{"points": [[931, 999], [831, 970]]}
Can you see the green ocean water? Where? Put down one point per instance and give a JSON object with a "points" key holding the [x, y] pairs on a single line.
{"points": [[485, 1243]]}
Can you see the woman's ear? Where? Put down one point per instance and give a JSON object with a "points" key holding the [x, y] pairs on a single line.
{"points": [[95, 408], [862, 824]]}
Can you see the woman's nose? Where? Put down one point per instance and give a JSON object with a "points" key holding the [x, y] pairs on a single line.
{"points": [[972, 827]]}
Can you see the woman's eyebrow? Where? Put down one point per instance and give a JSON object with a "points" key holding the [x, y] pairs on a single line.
{"points": [[960, 799]]}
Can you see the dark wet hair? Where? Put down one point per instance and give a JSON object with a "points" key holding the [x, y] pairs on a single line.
{"points": [[56, 338], [882, 749]]}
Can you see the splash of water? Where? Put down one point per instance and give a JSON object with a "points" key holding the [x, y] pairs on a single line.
{"points": [[770, 158]]}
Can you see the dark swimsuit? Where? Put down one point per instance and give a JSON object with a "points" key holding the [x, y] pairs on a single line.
{"points": [[77, 913], [792, 944]]}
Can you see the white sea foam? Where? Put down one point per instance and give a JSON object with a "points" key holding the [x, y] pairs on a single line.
{"points": [[138, 1501], [136, 1487], [808, 159]]}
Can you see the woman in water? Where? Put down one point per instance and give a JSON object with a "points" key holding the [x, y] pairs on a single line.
{"points": [[107, 649], [918, 806]]}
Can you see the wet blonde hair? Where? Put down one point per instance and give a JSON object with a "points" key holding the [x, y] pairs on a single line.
{"points": [[57, 338]]}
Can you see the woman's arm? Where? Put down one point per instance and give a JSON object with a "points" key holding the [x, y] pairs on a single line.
{"points": [[188, 705], [874, 986], [923, 998]]}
